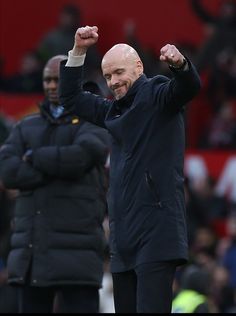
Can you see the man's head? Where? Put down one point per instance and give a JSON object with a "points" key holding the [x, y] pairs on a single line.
{"points": [[121, 67], [69, 18], [228, 10], [197, 279], [51, 77]]}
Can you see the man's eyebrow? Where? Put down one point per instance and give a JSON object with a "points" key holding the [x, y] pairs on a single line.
{"points": [[119, 69], [114, 71]]}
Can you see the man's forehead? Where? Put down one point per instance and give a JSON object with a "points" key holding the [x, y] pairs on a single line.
{"points": [[53, 64], [51, 71], [112, 66], [118, 55], [113, 58]]}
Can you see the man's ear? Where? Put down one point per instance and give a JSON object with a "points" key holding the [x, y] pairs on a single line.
{"points": [[140, 67]]}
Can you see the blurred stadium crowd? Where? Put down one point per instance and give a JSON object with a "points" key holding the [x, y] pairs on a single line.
{"points": [[210, 125]]}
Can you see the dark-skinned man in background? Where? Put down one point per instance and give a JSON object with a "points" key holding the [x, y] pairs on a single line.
{"points": [[56, 161]]}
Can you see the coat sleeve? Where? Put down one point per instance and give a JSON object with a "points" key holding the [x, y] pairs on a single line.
{"points": [[14, 172], [90, 107], [89, 149], [173, 94]]}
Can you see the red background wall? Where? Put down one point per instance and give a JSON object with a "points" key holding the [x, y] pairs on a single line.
{"points": [[24, 22]]}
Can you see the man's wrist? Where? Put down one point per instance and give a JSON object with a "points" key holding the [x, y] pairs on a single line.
{"points": [[75, 60], [78, 51], [183, 66]]}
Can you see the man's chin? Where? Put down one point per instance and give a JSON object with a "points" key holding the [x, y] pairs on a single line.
{"points": [[54, 101], [119, 96], [119, 93]]}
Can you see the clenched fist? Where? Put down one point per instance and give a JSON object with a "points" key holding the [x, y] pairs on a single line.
{"points": [[171, 55], [84, 38]]}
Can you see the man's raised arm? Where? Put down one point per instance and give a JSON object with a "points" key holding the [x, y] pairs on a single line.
{"points": [[90, 107]]}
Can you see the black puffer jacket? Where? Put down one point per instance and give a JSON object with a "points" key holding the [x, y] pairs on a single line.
{"points": [[58, 234]]}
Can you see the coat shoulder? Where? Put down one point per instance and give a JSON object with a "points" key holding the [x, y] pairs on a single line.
{"points": [[159, 79], [29, 119]]}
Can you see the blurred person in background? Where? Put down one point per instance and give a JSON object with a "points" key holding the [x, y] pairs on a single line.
{"points": [[60, 39], [220, 133], [29, 77], [203, 248], [206, 208], [148, 237], [229, 256], [222, 34], [222, 293], [8, 295], [192, 296], [2, 77], [5, 126], [56, 161], [215, 60], [222, 78]]}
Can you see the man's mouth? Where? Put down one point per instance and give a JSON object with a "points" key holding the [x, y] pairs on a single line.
{"points": [[52, 95], [118, 89]]}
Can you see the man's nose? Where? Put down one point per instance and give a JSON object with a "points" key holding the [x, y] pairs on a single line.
{"points": [[52, 84], [114, 81]]}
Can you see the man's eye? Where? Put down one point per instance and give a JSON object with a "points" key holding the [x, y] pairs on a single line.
{"points": [[119, 72], [48, 80]]}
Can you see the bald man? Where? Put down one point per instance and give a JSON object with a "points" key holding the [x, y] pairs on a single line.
{"points": [[148, 234], [56, 161]]}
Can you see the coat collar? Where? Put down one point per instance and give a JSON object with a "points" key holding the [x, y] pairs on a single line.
{"points": [[66, 117], [127, 99]]}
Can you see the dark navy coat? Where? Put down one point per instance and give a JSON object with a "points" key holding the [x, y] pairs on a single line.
{"points": [[146, 195]]}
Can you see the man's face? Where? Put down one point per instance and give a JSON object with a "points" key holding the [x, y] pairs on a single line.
{"points": [[120, 74], [50, 83]]}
